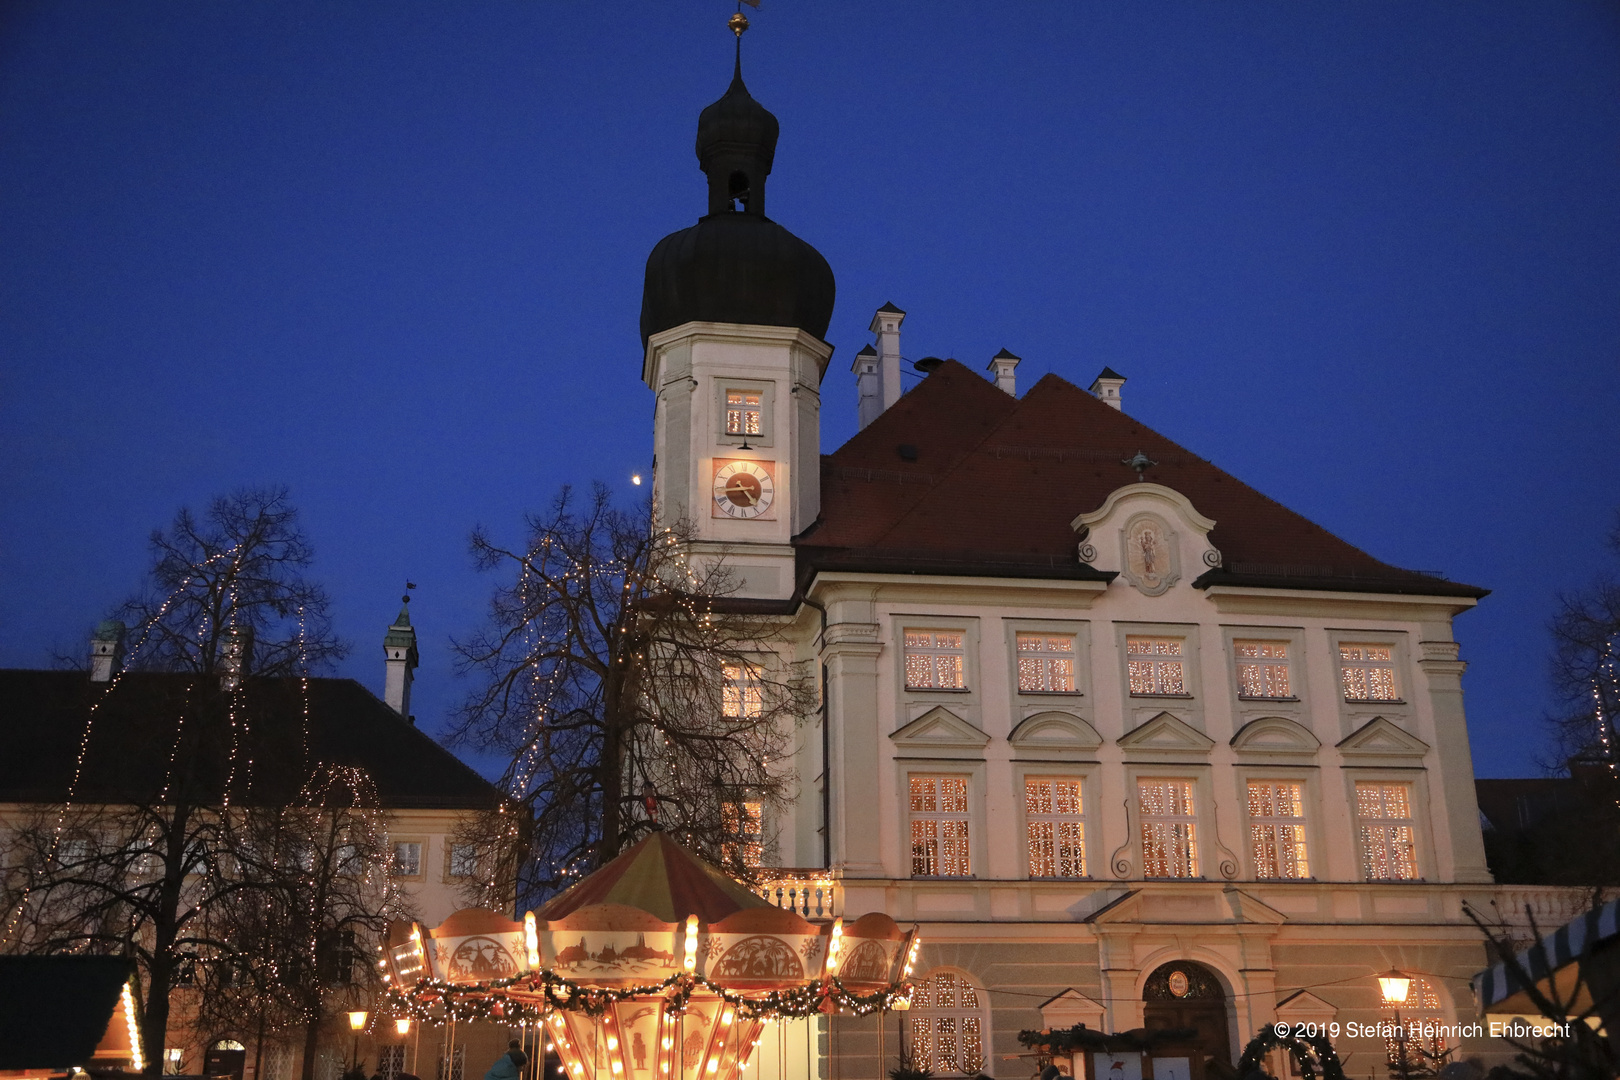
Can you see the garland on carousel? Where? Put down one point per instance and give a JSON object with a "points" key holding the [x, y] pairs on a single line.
{"points": [[493, 1000]]}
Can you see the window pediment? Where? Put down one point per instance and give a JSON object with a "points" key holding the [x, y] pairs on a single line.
{"points": [[1054, 730], [940, 729], [1381, 740], [1275, 735], [1167, 734]]}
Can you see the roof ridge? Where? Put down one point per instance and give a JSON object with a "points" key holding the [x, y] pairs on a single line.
{"points": [[942, 477]]}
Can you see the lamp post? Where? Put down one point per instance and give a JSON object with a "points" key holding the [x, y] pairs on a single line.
{"points": [[357, 1021], [1395, 986]]}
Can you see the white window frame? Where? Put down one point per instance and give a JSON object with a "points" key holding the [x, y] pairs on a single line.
{"points": [[957, 1013], [742, 691], [1195, 838], [741, 836], [394, 844], [964, 817], [936, 653], [766, 389], [1414, 797], [1393, 665], [450, 855], [1046, 657], [1286, 662], [1274, 821], [1038, 775], [1160, 661]]}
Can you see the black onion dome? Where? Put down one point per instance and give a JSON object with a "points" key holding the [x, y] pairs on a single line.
{"points": [[737, 123], [736, 268], [736, 265]]}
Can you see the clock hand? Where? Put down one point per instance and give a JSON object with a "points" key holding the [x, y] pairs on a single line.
{"points": [[741, 489]]}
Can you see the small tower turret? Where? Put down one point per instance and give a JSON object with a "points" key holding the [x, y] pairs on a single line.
{"points": [[399, 653]]}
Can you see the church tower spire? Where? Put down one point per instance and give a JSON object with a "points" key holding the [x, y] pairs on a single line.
{"points": [[734, 311]]}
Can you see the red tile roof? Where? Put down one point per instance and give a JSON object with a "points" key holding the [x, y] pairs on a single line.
{"points": [[995, 481]]}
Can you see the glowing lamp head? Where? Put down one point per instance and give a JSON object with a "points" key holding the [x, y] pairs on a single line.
{"points": [[531, 938], [403, 1025], [1394, 986], [357, 1019]]}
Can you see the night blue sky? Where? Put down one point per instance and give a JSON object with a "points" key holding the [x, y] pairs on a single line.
{"points": [[1364, 256]]}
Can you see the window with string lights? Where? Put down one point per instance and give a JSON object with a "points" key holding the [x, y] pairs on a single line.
{"points": [[1423, 1016], [1387, 830], [1167, 812], [1045, 663], [744, 408], [1156, 666], [1262, 670], [1055, 826], [1277, 829], [1367, 671], [939, 826], [935, 659], [948, 1026], [741, 695], [744, 823]]}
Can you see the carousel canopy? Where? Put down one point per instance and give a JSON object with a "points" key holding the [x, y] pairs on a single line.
{"points": [[661, 878]]}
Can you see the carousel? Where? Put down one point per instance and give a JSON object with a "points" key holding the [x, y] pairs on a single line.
{"points": [[656, 967]]}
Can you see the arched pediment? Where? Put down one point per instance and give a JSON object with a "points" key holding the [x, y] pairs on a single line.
{"points": [[941, 729], [1381, 740], [1165, 733], [1054, 731], [1275, 735]]}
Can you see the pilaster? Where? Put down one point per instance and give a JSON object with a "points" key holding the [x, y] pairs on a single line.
{"points": [[1458, 808], [851, 650]]}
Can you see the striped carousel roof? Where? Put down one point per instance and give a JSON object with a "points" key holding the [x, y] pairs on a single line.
{"points": [[661, 878]]}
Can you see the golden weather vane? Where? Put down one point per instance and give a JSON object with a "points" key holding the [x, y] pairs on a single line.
{"points": [[739, 21]]}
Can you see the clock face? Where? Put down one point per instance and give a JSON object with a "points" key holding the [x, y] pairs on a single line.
{"points": [[743, 489]]}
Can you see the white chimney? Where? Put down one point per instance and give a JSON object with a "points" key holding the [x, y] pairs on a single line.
{"points": [[868, 385], [106, 650], [1005, 364], [1105, 388], [886, 325], [235, 656], [399, 651]]}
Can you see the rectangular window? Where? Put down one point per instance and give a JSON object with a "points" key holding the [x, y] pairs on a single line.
{"points": [[407, 861], [1155, 665], [939, 826], [744, 824], [463, 860], [390, 1061], [1045, 664], [1369, 672], [1262, 669], [1169, 828], [742, 412], [1057, 833], [934, 660], [1277, 829], [741, 695], [1387, 849]]}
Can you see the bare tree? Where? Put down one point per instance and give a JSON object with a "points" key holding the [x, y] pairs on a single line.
{"points": [[236, 573], [618, 676], [129, 861], [1586, 672], [320, 894]]}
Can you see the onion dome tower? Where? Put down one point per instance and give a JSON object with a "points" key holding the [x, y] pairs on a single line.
{"points": [[734, 318], [736, 265]]}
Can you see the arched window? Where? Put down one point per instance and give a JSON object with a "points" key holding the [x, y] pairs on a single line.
{"points": [[1422, 1015], [949, 1024]]}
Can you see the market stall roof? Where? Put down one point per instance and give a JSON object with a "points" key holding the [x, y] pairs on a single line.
{"points": [[1549, 960], [57, 1011], [662, 878]]}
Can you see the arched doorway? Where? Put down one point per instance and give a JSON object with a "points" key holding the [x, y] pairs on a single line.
{"points": [[225, 1057], [1182, 994]]}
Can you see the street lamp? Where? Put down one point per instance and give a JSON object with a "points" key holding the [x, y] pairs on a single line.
{"points": [[1395, 986], [402, 1025], [357, 1021]]}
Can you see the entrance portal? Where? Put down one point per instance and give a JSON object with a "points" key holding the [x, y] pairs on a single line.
{"points": [[1182, 994]]}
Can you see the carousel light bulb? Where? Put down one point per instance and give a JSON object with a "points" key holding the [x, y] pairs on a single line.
{"points": [[617, 1068], [531, 936], [691, 942], [613, 1044], [667, 1042], [550, 1047]]}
